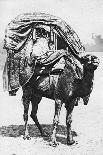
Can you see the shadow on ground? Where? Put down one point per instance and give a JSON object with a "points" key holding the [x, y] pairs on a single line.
{"points": [[18, 130]]}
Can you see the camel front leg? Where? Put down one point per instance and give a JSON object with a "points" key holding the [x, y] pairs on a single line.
{"points": [[58, 105], [25, 116], [26, 102], [69, 110]]}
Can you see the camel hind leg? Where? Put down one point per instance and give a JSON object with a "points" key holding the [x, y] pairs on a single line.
{"points": [[35, 100], [58, 105]]}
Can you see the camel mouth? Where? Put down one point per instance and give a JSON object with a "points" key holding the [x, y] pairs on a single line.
{"points": [[95, 62], [90, 59], [92, 63]]}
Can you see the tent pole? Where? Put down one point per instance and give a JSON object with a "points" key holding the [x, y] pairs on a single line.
{"points": [[56, 42]]}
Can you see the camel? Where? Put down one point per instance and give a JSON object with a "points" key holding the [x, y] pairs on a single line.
{"points": [[62, 87]]}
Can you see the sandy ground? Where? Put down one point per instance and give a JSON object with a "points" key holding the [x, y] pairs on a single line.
{"points": [[87, 122]]}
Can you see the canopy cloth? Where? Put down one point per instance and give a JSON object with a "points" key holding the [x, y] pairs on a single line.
{"points": [[19, 29], [18, 42]]}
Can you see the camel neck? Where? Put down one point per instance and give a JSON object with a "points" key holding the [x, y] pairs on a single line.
{"points": [[88, 76]]}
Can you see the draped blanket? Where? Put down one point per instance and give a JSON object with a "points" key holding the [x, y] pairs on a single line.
{"points": [[17, 72], [19, 29], [19, 44]]}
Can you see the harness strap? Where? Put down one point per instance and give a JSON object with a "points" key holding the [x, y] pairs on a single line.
{"points": [[49, 81]]}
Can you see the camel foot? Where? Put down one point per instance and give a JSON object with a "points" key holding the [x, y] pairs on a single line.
{"points": [[26, 137], [74, 134], [70, 142], [53, 143]]}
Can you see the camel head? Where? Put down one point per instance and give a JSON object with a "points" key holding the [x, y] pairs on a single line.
{"points": [[90, 62]]}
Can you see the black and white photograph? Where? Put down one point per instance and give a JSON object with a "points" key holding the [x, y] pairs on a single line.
{"points": [[51, 77]]}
